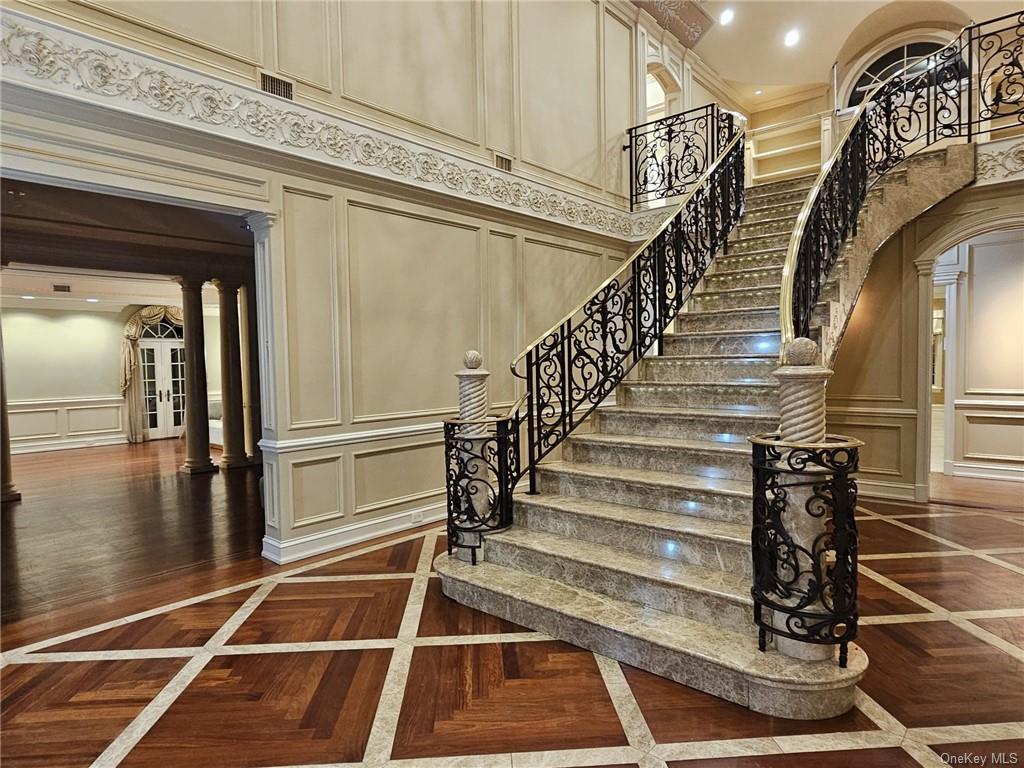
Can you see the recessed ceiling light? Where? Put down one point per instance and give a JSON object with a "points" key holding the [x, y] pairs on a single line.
{"points": [[727, 16], [792, 38], [758, 92], [93, 301], [28, 298]]}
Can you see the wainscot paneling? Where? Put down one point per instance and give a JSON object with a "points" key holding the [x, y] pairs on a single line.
{"points": [[53, 425]]}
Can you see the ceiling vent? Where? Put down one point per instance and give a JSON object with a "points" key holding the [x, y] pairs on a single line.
{"points": [[503, 163], [61, 288], [275, 85]]}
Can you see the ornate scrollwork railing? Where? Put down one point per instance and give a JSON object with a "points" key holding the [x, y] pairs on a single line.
{"points": [[578, 362], [668, 156], [805, 588], [973, 85]]}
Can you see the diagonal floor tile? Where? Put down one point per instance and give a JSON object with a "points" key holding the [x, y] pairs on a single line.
{"points": [[962, 583], [998, 753], [881, 537], [878, 600], [504, 697], [892, 757], [1013, 558], [61, 715], [184, 627], [973, 531], [676, 713], [269, 709], [398, 558], [933, 673], [306, 612], [1009, 629], [441, 545], [443, 616]]}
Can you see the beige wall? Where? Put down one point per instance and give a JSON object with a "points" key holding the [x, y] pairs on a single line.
{"points": [[552, 85], [880, 392]]}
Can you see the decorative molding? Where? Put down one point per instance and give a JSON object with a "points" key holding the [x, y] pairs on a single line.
{"points": [[1000, 161], [82, 67], [684, 19], [277, 447]]}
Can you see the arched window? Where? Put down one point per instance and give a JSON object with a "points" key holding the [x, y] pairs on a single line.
{"points": [[887, 65], [162, 330]]}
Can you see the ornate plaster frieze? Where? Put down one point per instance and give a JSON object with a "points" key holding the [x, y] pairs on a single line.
{"points": [[60, 60], [1000, 161], [683, 18]]}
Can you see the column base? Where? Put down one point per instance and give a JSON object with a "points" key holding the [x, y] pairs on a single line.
{"points": [[201, 469], [11, 495], [239, 462]]}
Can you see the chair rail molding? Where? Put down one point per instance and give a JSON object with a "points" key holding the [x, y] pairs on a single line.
{"points": [[45, 57]]}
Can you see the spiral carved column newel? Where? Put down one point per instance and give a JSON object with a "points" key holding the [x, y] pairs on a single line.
{"points": [[802, 393], [473, 404]]}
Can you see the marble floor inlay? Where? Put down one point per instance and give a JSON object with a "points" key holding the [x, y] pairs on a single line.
{"points": [[360, 660]]}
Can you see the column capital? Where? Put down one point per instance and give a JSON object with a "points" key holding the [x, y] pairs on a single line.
{"points": [[261, 221], [227, 284], [925, 267], [190, 282]]}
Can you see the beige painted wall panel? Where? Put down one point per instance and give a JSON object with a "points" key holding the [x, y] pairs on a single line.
{"points": [[557, 277], [396, 477], [499, 75], [883, 453], [700, 95], [414, 59], [228, 26], [303, 41], [35, 423], [559, 67], [316, 491], [995, 316], [415, 308], [311, 306], [618, 101], [996, 437], [99, 418], [504, 315]]}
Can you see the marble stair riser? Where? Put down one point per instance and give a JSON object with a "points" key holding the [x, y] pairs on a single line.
{"points": [[756, 199], [753, 214], [669, 369], [747, 298], [731, 430], [773, 259], [783, 225], [799, 182], [720, 554], [749, 399], [699, 322], [678, 599], [713, 505], [732, 465], [723, 280], [747, 245], [722, 344]]}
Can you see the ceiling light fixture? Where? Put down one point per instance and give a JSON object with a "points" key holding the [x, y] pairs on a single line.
{"points": [[792, 38], [93, 301], [28, 298], [727, 16], [758, 92]]}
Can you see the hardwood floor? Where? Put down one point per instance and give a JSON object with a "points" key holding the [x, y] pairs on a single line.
{"points": [[972, 492]]}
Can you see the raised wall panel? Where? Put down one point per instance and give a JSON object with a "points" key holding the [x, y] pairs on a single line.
{"points": [[311, 307], [618, 100], [503, 301], [26, 424], [87, 419], [994, 362], [228, 27], [316, 491], [398, 477], [417, 60], [883, 451], [303, 41], [993, 437], [556, 278], [559, 81], [499, 75], [415, 300]]}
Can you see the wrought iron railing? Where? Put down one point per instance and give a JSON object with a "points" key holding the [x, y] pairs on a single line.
{"points": [[973, 85], [578, 362], [667, 157], [805, 589]]}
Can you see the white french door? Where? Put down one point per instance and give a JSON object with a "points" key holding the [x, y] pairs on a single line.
{"points": [[162, 367]]}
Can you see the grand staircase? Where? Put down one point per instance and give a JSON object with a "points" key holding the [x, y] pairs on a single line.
{"points": [[638, 542]]}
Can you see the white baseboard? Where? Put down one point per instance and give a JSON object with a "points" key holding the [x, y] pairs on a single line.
{"points": [[987, 471], [282, 552], [882, 490], [67, 443]]}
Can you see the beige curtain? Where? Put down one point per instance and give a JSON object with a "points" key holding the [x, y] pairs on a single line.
{"points": [[131, 385]]}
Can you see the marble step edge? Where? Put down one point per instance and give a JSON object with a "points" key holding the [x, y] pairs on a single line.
{"points": [[717, 661], [772, 220], [751, 357], [758, 252], [660, 443], [774, 268], [763, 384], [726, 332], [709, 414], [750, 207], [672, 586], [737, 489], [748, 238], [774, 288]]}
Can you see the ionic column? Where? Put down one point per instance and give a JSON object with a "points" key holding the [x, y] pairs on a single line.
{"points": [[233, 414], [197, 415], [9, 492]]}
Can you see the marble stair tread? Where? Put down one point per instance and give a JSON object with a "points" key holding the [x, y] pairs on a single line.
{"points": [[733, 587], [745, 271], [664, 443], [736, 291], [689, 413], [650, 477], [752, 356], [761, 383], [703, 644], [668, 522], [729, 311], [725, 332]]}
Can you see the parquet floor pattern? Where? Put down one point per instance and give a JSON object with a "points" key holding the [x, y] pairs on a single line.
{"points": [[360, 660]]}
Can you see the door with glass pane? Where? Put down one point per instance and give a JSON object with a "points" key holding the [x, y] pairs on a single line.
{"points": [[162, 367]]}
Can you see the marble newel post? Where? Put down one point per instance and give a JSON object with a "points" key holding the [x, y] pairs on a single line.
{"points": [[197, 411], [802, 420], [231, 377], [473, 406]]}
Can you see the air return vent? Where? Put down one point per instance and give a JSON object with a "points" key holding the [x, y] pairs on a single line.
{"points": [[503, 163], [275, 85], [61, 288]]}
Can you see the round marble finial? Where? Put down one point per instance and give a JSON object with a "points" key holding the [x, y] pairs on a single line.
{"points": [[473, 360], [801, 351]]}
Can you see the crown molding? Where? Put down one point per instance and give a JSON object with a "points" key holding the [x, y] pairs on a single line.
{"points": [[44, 56]]}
